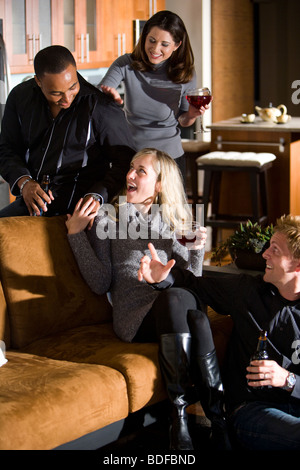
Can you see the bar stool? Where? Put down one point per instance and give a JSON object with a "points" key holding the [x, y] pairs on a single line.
{"points": [[255, 165], [193, 149]]}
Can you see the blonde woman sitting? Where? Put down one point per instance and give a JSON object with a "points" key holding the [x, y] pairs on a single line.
{"points": [[151, 208]]}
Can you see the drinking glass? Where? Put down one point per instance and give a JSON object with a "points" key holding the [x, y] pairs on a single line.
{"points": [[199, 97], [187, 234]]}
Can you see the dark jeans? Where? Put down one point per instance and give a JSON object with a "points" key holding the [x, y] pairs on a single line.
{"points": [[267, 426], [16, 208], [19, 208]]}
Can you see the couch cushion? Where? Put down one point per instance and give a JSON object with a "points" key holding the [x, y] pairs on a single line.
{"points": [[239, 159], [98, 344], [45, 403], [43, 287]]}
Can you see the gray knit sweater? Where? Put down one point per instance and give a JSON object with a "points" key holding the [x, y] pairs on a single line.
{"points": [[152, 104], [111, 263]]}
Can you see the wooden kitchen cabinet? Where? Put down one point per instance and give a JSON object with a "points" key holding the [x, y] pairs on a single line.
{"points": [[116, 21], [84, 36], [26, 29], [30, 25], [96, 31]]}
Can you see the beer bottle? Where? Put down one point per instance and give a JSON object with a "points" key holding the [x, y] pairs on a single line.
{"points": [[45, 185], [261, 352]]}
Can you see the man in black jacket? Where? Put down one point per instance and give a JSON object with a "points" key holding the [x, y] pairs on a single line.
{"points": [[57, 124], [262, 397]]}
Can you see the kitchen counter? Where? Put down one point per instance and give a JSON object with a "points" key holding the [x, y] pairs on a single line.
{"points": [[283, 140], [258, 125]]}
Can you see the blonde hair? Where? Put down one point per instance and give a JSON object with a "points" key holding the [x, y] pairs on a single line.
{"points": [[289, 225], [175, 210]]}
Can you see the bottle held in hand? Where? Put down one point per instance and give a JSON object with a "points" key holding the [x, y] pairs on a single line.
{"points": [[261, 352], [45, 185]]}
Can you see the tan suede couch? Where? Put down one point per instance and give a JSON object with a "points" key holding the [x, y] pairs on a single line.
{"points": [[67, 373]]}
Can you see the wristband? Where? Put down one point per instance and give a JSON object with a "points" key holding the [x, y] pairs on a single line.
{"points": [[96, 197], [23, 184]]}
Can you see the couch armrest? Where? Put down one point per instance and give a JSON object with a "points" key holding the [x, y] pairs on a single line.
{"points": [[221, 326]]}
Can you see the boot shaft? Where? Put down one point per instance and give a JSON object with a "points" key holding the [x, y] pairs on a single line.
{"points": [[174, 358]]}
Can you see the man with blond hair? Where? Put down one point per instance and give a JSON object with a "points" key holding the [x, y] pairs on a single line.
{"points": [[262, 397]]}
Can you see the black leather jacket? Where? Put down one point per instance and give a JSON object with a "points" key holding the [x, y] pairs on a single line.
{"points": [[86, 148]]}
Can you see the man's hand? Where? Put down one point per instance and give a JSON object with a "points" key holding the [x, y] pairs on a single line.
{"points": [[35, 197], [266, 372], [153, 270]]}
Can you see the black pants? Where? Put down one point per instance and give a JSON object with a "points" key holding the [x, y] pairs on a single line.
{"points": [[169, 315]]}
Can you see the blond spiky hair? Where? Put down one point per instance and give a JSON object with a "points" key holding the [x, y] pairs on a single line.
{"points": [[289, 225]]}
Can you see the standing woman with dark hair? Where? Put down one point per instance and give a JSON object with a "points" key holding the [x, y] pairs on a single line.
{"points": [[156, 76]]}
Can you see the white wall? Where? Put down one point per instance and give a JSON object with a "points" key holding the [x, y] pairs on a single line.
{"points": [[197, 19]]}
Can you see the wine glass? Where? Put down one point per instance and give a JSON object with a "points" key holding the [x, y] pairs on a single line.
{"points": [[199, 97], [189, 233]]}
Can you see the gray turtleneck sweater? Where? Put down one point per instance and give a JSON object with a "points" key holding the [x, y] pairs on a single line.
{"points": [[152, 104], [109, 256]]}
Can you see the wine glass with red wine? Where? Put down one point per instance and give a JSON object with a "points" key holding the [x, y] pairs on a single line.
{"points": [[199, 97], [188, 234]]}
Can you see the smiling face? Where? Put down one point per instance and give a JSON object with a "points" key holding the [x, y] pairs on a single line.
{"points": [[159, 45], [280, 264], [141, 180], [60, 89]]}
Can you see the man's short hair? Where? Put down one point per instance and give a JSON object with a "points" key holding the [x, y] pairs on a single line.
{"points": [[289, 225], [52, 59]]}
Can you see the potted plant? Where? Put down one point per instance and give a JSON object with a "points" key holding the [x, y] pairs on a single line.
{"points": [[246, 246]]}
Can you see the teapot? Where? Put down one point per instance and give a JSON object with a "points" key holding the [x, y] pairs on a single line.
{"points": [[270, 114]]}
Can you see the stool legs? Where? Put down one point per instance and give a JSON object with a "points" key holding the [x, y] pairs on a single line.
{"points": [[206, 192], [212, 193], [254, 188], [264, 194], [212, 179]]}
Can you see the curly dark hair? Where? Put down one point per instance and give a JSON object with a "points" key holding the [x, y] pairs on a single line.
{"points": [[52, 59], [181, 63]]}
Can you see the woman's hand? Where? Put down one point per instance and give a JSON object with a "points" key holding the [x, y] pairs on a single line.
{"points": [[200, 241], [189, 117], [266, 373], [153, 270], [113, 92], [84, 213]]}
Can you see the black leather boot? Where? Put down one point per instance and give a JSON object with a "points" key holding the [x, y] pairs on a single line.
{"points": [[207, 378], [174, 356], [212, 398]]}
